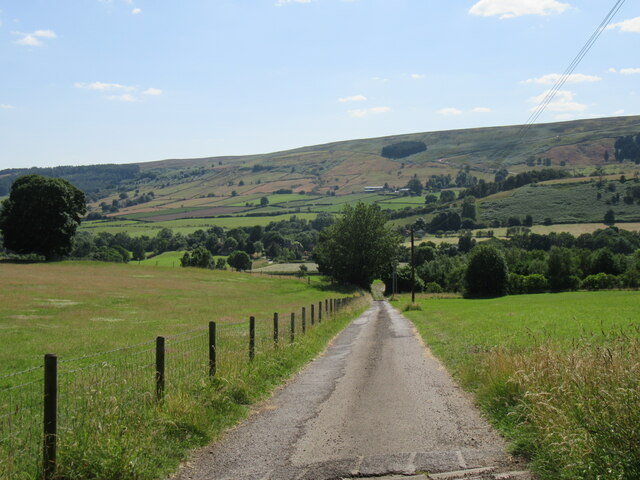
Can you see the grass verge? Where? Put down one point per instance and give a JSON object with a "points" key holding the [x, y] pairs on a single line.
{"points": [[558, 374]]}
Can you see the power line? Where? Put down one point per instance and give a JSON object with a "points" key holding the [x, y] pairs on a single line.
{"points": [[569, 70]]}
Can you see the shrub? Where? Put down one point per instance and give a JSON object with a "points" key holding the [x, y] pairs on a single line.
{"points": [[433, 287], [601, 281], [535, 283]]}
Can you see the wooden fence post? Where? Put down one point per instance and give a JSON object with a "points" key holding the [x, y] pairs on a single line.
{"points": [[160, 352], [50, 415], [252, 338], [304, 320], [293, 327], [212, 349], [312, 313], [275, 329], [319, 312]]}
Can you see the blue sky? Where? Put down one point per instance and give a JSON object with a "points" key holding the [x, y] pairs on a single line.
{"points": [[99, 81]]}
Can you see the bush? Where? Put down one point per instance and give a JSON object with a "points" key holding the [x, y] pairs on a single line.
{"points": [[535, 283], [601, 281], [433, 287]]}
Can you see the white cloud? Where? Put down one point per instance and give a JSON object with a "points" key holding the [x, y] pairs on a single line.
{"points": [[136, 11], [280, 3], [450, 111], [104, 87], [354, 98], [631, 25], [481, 110], [562, 102], [33, 39], [552, 78], [125, 97], [517, 8], [4, 106], [619, 112], [117, 91], [625, 71], [418, 76], [365, 112]]}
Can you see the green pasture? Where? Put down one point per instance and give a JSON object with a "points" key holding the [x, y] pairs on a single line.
{"points": [[166, 259], [453, 327], [287, 268], [78, 308], [558, 374], [184, 226], [102, 321]]}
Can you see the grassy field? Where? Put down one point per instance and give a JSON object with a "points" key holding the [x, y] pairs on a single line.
{"points": [[75, 308], [102, 321], [183, 226], [559, 374], [287, 268]]}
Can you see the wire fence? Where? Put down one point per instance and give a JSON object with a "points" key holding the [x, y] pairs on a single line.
{"points": [[115, 394]]}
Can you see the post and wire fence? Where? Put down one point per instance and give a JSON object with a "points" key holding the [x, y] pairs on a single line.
{"points": [[62, 410]]}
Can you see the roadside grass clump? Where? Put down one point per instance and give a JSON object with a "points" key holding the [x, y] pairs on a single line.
{"points": [[557, 374], [411, 307], [574, 412]]}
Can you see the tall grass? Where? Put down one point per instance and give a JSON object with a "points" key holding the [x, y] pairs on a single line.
{"points": [[575, 412]]}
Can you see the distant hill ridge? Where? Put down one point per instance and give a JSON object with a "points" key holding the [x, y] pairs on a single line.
{"points": [[349, 166]]}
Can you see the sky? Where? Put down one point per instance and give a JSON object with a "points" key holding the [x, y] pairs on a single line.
{"points": [[121, 81]]}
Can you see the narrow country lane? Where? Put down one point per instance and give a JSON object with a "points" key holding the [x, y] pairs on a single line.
{"points": [[375, 403]]}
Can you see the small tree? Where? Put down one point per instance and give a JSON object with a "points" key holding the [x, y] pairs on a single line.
{"points": [[221, 264], [264, 201], [487, 274], [239, 260], [609, 218], [200, 257], [415, 186]]}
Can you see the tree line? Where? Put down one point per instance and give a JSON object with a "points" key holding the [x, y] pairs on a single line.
{"points": [[526, 263]]}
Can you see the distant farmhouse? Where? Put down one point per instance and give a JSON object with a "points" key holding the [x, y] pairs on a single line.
{"points": [[373, 189]]}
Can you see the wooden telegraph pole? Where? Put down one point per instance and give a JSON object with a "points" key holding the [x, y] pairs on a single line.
{"points": [[413, 273]]}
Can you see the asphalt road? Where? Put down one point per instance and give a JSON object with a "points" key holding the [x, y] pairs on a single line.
{"points": [[375, 403]]}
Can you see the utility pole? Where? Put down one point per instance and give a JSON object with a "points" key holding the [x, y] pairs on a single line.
{"points": [[413, 273]]}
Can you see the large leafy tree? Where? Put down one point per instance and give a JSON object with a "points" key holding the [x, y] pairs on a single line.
{"points": [[41, 215], [358, 247]]}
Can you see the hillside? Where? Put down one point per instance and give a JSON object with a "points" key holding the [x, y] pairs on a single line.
{"points": [[324, 177]]}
